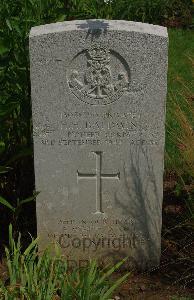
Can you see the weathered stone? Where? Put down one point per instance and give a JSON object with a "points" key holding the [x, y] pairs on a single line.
{"points": [[98, 103]]}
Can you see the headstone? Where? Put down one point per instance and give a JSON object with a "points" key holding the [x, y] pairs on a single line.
{"points": [[98, 105]]}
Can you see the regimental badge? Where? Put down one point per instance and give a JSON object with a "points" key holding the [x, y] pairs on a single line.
{"points": [[98, 76]]}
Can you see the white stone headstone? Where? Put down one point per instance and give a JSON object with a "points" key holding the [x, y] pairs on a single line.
{"points": [[98, 104]]}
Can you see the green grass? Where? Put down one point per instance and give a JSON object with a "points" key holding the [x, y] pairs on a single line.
{"points": [[47, 277], [180, 86], [181, 48]]}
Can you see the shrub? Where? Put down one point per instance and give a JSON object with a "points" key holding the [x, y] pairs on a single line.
{"points": [[162, 12]]}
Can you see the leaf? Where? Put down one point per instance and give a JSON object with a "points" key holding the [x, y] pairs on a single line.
{"points": [[114, 286], [29, 199], [7, 204], [16, 27], [111, 270], [8, 24], [32, 245], [4, 169]]}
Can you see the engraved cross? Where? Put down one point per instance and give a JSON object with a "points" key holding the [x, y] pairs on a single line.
{"points": [[98, 175]]}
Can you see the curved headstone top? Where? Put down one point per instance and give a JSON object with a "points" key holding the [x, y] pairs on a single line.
{"points": [[98, 92], [99, 24]]}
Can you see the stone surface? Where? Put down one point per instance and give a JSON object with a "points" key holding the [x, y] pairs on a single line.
{"points": [[98, 104]]}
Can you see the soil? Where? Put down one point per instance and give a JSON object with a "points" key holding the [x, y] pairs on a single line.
{"points": [[143, 287]]}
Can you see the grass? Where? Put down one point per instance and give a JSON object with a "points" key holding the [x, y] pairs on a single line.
{"points": [[180, 114], [180, 86], [47, 277]]}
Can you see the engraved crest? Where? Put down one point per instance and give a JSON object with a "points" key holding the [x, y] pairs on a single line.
{"points": [[92, 77]]}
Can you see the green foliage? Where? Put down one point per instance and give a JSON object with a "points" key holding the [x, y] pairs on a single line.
{"points": [[149, 11], [47, 277], [16, 210], [155, 11], [16, 19]]}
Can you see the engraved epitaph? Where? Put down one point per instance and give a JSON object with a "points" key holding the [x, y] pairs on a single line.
{"points": [[98, 105]]}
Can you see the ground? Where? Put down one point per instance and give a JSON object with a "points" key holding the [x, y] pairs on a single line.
{"points": [[144, 287]]}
